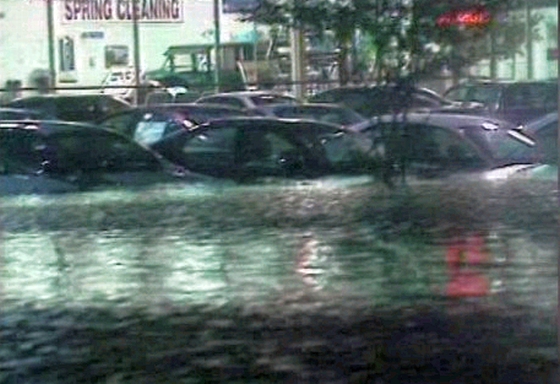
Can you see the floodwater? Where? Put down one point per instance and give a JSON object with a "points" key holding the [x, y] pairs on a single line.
{"points": [[268, 283]]}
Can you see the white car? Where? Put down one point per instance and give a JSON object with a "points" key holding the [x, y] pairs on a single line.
{"points": [[248, 100]]}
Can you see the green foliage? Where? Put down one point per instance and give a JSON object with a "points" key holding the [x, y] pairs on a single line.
{"points": [[403, 34]]}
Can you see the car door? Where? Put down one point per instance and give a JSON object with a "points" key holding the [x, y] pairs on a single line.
{"points": [[110, 159], [22, 165], [208, 151], [122, 122], [426, 151], [151, 126], [265, 150], [436, 151]]}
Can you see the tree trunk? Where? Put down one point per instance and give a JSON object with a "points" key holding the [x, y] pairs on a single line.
{"points": [[343, 70]]}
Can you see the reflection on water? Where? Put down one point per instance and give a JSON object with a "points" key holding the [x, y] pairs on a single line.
{"points": [[335, 238], [173, 267], [237, 271]]}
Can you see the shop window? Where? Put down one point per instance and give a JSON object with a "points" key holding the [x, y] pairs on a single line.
{"points": [[67, 57], [116, 55]]}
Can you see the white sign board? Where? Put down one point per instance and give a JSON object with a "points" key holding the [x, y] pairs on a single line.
{"points": [[155, 11]]}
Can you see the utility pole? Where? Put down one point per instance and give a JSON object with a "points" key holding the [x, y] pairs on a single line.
{"points": [[136, 38], [298, 62], [50, 34], [493, 62], [529, 45], [217, 49]]}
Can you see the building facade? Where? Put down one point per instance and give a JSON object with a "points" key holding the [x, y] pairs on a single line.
{"points": [[93, 37], [538, 56]]}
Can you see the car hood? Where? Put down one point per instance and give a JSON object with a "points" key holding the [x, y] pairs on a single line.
{"points": [[523, 171]]}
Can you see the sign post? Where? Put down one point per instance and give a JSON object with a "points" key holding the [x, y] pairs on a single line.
{"points": [[218, 53], [50, 33], [136, 37]]}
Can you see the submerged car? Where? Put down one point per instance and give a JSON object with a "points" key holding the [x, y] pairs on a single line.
{"points": [[377, 100], [147, 125], [438, 145], [72, 107], [55, 157], [248, 100], [537, 142], [20, 114], [253, 147], [515, 101]]}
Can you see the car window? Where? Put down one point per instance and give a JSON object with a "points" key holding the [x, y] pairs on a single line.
{"points": [[342, 150], [153, 126], [261, 100], [87, 108], [488, 94], [108, 105], [210, 151], [120, 122], [204, 114], [44, 105], [105, 152], [423, 101], [425, 148], [325, 97], [214, 140], [158, 98], [20, 151], [527, 96], [263, 152], [459, 93], [222, 100], [232, 102], [76, 109], [442, 147]]}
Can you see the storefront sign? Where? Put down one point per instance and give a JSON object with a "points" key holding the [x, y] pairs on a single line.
{"points": [[166, 11]]}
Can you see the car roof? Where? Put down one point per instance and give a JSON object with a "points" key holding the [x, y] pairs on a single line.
{"points": [[50, 126], [206, 106], [71, 95], [444, 120], [304, 105], [19, 110], [502, 82], [279, 122], [247, 94]]}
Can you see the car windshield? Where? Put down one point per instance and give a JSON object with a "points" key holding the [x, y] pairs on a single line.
{"points": [[482, 93], [505, 146], [105, 152]]}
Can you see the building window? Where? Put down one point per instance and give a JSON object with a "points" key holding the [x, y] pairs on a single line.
{"points": [[66, 49], [116, 55]]}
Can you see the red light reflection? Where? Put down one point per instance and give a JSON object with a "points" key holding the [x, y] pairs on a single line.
{"points": [[470, 18]]}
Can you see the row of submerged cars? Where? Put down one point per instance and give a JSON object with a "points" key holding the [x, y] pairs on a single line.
{"points": [[64, 143]]}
